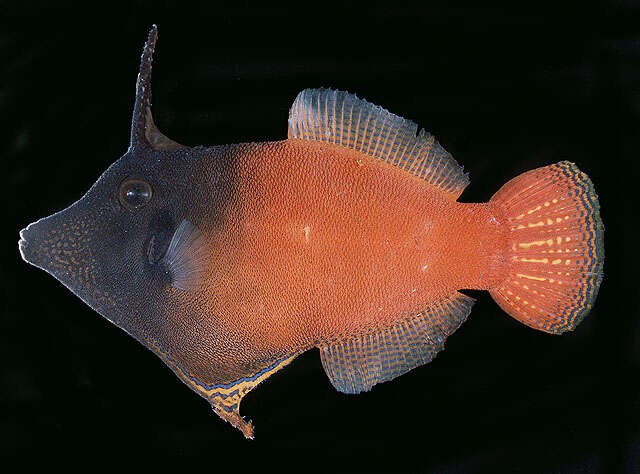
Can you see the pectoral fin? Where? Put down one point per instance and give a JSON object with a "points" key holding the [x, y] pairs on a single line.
{"points": [[187, 257]]}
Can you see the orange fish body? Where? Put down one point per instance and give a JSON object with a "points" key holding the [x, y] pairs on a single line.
{"points": [[323, 242], [230, 261], [327, 246]]}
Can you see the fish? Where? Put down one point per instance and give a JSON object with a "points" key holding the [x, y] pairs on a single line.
{"points": [[230, 261]]}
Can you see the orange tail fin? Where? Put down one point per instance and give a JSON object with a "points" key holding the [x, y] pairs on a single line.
{"points": [[555, 251]]}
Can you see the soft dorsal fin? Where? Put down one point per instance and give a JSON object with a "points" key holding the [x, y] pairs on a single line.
{"points": [[356, 364], [341, 118], [144, 133]]}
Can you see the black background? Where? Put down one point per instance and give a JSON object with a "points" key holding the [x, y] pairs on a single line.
{"points": [[504, 88]]}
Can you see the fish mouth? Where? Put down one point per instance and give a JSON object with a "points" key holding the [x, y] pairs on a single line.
{"points": [[40, 245], [23, 243], [30, 245]]}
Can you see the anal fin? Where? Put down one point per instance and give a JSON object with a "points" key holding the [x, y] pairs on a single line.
{"points": [[357, 363]]}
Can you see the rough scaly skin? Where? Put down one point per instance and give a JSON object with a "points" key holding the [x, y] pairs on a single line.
{"points": [[319, 241]]}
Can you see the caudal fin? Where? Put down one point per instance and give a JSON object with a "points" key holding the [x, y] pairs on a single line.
{"points": [[555, 251]]}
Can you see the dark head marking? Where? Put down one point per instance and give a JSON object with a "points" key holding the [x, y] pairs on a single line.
{"points": [[134, 237], [139, 246]]}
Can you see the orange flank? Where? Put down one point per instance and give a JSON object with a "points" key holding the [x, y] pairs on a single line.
{"points": [[353, 242], [348, 237]]}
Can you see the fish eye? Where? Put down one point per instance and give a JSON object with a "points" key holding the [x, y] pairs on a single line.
{"points": [[134, 193]]}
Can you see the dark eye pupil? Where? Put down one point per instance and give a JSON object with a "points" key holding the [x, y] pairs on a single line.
{"points": [[135, 193]]}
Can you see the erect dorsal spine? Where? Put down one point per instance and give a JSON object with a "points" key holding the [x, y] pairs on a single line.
{"points": [[144, 133]]}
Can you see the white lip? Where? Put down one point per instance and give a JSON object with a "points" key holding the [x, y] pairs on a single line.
{"points": [[21, 244]]}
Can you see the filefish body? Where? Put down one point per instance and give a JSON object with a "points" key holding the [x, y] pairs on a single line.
{"points": [[230, 261]]}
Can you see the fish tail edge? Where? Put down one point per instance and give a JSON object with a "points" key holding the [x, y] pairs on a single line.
{"points": [[555, 251]]}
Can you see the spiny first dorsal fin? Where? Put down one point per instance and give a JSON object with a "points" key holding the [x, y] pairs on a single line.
{"points": [[156, 139], [357, 363], [144, 133], [341, 118]]}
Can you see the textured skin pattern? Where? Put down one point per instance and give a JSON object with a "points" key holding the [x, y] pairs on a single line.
{"points": [[555, 250], [341, 118], [224, 398], [358, 363], [349, 240], [321, 242]]}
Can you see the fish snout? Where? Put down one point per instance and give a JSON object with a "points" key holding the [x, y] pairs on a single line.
{"points": [[22, 244], [27, 244], [58, 244], [77, 247]]}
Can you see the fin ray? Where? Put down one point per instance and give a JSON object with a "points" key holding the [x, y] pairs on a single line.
{"points": [[144, 133], [357, 363], [555, 249], [186, 257], [341, 118]]}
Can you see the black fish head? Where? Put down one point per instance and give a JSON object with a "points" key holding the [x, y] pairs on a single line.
{"points": [[109, 247], [144, 248]]}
